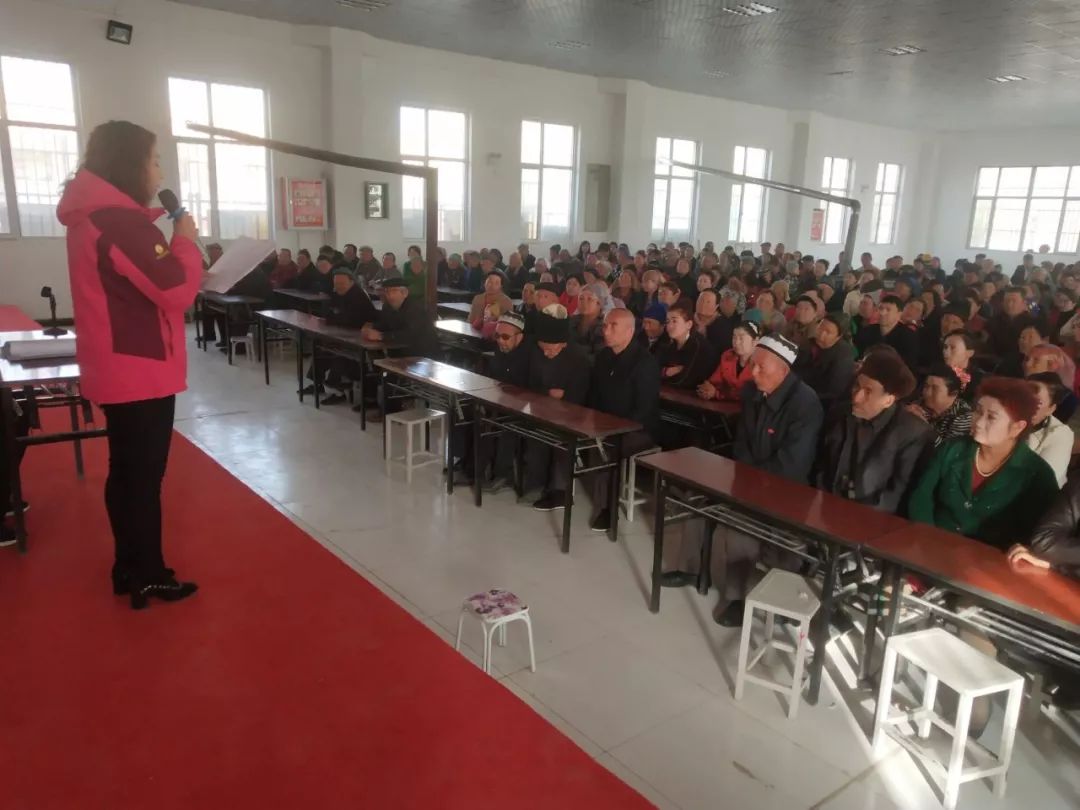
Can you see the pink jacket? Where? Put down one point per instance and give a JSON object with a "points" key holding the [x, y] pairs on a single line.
{"points": [[129, 289]]}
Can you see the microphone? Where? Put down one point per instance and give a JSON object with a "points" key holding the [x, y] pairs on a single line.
{"points": [[167, 198]]}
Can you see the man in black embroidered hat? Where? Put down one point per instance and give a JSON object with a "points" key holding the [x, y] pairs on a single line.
{"points": [[559, 369]]}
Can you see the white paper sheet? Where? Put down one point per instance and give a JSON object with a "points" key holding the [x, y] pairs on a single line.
{"points": [[242, 256]]}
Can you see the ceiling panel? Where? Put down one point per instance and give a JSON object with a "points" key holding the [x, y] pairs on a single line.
{"points": [[823, 55]]}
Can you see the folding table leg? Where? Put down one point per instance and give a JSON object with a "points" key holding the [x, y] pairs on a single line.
{"points": [[298, 338], [659, 497], [448, 432], [616, 484], [476, 435], [263, 349], [821, 631], [571, 462], [74, 408], [877, 603]]}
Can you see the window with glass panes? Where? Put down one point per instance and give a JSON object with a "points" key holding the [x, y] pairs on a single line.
{"points": [[674, 190], [836, 180], [1025, 207], [747, 221], [39, 143], [547, 180], [224, 186], [886, 203], [436, 139]]}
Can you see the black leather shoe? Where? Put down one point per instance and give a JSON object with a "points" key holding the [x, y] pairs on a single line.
{"points": [[167, 590], [334, 399], [677, 579], [733, 614], [556, 499], [602, 522], [121, 581]]}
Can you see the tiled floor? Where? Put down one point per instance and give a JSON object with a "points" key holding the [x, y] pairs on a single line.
{"points": [[649, 696]]}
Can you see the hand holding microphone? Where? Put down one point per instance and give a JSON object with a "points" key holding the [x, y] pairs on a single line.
{"points": [[183, 222]]}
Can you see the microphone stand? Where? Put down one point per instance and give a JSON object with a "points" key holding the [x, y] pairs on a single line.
{"points": [[54, 330]]}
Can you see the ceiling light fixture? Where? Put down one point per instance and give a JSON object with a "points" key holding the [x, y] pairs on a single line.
{"points": [[363, 5], [750, 9], [901, 50], [1008, 77], [569, 44]]}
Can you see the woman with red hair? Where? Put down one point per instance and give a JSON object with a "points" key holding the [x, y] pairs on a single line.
{"points": [[990, 485]]}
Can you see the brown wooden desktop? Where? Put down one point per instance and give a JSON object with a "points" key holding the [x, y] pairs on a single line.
{"points": [[572, 425], [711, 420]]}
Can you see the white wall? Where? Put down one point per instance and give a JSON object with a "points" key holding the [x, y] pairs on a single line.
{"points": [[341, 90], [963, 153]]}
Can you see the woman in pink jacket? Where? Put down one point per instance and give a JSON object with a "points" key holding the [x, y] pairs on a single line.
{"points": [[129, 289]]}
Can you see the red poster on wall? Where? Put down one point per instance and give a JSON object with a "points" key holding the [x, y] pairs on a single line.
{"points": [[304, 204], [817, 224]]}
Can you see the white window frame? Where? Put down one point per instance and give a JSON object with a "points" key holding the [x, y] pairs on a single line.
{"points": [[425, 160], [880, 194], [759, 236], [838, 192], [539, 168], [1071, 197], [211, 161], [666, 177], [7, 159]]}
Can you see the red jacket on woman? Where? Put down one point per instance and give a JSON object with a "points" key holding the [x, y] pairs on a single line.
{"points": [[727, 379], [129, 289]]}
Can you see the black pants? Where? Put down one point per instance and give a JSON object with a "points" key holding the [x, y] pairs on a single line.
{"points": [[22, 427], [139, 435]]}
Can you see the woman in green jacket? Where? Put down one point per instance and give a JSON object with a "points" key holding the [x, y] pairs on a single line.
{"points": [[989, 486]]}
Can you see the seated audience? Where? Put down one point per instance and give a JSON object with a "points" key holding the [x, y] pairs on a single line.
{"points": [[715, 317], [1055, 542], [351, 307], [777, 432], [733, 371], [669, 294], [653, 332], [800, 330], [828, 366], [316, 278], [687, 359], [1047, 436], [509, 364], [569, 297], [958, 352], [765, 312], [873, 449], [990, 486], [941, 405], [367, 266], [1003, 329], [285, 271], [404, 321], [587, 324], [454, 274], [626, 383], [891, 331], [388, 270], [492, 303], [560, 369], [1035, 333]]}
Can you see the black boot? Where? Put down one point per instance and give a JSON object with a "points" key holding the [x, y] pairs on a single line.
{"points": [[121, 580]]}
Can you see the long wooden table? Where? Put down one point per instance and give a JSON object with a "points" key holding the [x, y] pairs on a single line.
{"points": [[759, 504], [560, 424], [225, 305], [45, 383], [340, 340], [433, 381], [1037, 598], [307, 301], [707, 418]]}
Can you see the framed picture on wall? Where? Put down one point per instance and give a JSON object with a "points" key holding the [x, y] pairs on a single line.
{"points": [[304, 203], [376, 200]]}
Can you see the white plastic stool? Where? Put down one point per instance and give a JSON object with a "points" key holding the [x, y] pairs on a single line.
{"points": [[629, 497], [248, 342], [971, 674], [416, 417], [495, 609], [780, 593]]}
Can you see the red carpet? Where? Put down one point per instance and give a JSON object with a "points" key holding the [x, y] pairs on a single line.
{"points": [[287, 682]]}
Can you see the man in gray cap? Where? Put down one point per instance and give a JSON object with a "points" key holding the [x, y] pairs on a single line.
{"points": [[367, 266]]}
